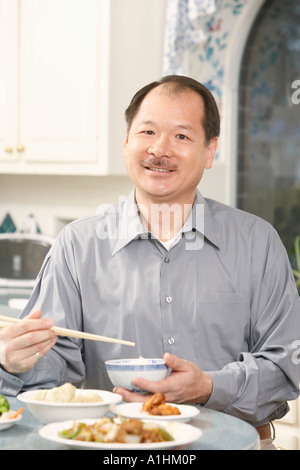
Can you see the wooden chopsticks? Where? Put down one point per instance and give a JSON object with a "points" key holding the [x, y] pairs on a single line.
{"points": [[8, 321]]}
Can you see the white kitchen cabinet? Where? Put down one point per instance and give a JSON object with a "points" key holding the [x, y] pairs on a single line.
{"points": [[288, 428], [8, 80], [52, 117], [59, 76], [68, 69]]}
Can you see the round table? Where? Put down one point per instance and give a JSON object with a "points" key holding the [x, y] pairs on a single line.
{"points": [[220, 432]]}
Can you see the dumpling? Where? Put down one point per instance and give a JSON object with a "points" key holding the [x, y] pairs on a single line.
{"points": [[65, 393]]}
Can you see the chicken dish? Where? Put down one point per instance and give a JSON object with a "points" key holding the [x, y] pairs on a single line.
{"points": [[156, 405]]}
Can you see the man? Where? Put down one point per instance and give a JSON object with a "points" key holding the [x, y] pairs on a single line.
{"points": [[208, 286]]}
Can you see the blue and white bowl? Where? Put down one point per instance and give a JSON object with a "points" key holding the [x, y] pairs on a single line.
{"points": [[122, 371]]}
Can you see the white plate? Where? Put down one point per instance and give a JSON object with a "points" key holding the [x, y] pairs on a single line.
{"points": [[183, 434], [135, 411], [8, 423], [50, 412]]}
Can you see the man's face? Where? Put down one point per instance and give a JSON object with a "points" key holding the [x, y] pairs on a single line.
{"points": [[165, 151]]}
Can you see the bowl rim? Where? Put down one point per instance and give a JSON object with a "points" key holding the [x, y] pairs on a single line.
{"points": [[123, 365], [110, 399], [136, 362]]}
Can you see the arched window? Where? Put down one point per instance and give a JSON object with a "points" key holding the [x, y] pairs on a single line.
{"points": [[268, 182]]}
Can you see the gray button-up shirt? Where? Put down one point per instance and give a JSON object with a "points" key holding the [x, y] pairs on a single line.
{"points": [[222, 297]]}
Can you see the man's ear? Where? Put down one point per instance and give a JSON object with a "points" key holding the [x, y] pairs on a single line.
{"points": [[211, 151], [125, 145]]}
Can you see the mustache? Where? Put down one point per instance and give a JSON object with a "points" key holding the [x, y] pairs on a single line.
{"points": [[158, 163]]}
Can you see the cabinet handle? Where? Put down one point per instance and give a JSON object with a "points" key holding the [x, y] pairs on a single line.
{"points": [[20, 148], [8, 149]]}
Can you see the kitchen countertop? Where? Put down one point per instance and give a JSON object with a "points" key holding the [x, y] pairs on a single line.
{"points": [[13, 300]]}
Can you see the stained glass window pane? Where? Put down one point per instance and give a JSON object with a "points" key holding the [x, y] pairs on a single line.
{"points": [[269, 123]]}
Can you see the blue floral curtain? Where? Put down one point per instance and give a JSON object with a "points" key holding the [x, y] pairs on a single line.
{"points": [[182, 31]]}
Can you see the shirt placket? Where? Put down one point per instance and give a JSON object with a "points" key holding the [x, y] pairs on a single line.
{"points": [[168, 302]]}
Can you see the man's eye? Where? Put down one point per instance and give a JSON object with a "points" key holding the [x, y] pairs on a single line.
{"points": [[181, 136], [148, 132]]}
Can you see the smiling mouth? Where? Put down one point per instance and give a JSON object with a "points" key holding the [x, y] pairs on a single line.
{"points": [[158, 165], [161, 170]]}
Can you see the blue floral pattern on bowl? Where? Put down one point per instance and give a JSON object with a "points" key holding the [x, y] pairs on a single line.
{"points": [[126, 364]]}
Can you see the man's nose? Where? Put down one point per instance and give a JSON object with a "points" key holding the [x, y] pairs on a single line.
{"points": [[161, 147]]}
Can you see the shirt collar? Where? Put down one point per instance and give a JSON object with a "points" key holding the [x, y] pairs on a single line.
{"points": [[131, 228], [201, 220]]}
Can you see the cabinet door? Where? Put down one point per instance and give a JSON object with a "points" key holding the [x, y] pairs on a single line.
{"points": [[59, 80], [8, 79]]}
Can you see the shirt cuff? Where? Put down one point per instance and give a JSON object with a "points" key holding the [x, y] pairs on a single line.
{"points": [[225, 388], [10, 385]]}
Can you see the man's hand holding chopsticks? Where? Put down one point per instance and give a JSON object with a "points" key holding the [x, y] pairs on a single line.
{"points": [[26, 342]]}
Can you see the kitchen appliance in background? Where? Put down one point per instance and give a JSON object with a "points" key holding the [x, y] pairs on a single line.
{"points": [[21, 257]]}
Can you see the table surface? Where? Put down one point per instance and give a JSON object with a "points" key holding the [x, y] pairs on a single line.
{"points": [[220, 432]]}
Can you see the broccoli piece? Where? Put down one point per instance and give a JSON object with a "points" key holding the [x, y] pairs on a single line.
{"points": [[4, 405]]}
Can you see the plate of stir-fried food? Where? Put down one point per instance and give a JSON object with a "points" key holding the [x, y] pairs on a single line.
{"points": [[115, 433], [156, 408]]}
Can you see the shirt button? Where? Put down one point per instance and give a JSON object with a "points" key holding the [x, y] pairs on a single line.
{"points": [[169, 299], [171, 340]]}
